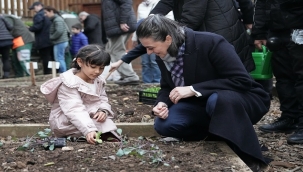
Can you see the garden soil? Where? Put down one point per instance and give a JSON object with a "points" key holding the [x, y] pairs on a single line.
{"points": [[23, 104]]}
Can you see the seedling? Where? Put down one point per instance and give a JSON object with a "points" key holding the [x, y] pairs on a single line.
{"points": [[151, 92], [43, 139], [142, 148], [98, 138], [1, 144]]}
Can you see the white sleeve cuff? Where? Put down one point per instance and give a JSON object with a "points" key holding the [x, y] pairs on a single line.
{"points": [[196, 92]]}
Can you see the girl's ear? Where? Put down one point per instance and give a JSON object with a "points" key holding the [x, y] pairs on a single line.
{"points": [[79, 61]]}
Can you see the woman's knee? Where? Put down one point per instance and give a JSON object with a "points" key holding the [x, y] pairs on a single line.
{"points": [[211, 103], [168, 127]]}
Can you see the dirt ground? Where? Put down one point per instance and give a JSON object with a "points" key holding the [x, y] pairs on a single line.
{"points": [[182, 156], [25, 104]]}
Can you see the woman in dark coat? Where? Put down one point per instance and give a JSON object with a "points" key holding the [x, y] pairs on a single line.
{"points": [[205, 88]]}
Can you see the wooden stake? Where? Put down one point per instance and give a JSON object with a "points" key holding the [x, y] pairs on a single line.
{"points": [[54, 70], [31, 67], [109, 74]]}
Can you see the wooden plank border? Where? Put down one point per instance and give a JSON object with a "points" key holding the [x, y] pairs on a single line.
{"points": [[129, 129]]}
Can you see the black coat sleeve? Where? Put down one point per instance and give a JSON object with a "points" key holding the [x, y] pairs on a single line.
{"points": [[163, 7], [37, 23], [125, 6], [134, 53], [260, 28], [193, 13], [90, 24], [8, 26], [247, 10]]}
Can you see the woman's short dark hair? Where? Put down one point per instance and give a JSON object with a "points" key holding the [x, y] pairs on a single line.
{"points": [[92, 54], [158, 27], [49, 8]]}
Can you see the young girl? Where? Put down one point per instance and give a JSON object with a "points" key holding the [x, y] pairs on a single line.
{"points": [[79, 102]]}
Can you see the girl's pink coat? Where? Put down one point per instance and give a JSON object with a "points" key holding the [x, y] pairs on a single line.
{"points": [[74, 104]]}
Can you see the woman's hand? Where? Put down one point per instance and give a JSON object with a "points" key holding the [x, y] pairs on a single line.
{"points": [[90, 137], [179, 93], [100, 116], [161, 110], [115, 66]]}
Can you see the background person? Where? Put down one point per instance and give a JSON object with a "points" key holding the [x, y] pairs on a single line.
{"points": [[119, 21], [58, 36], [6, 42], [41, 26], [205, 88], [92, 28], [274, 23], [78, 39], [21, 54]]}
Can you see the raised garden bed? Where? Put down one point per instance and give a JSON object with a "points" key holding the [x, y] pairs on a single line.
{"points": [[24, 104]]}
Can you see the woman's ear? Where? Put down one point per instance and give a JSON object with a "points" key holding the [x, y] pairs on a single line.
{"points": [[168, 39]]}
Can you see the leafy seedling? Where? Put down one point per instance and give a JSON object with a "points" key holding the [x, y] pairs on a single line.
{"points": [[151, 92], [98, 137], [42, 138], [1, 144], [142, 148]]}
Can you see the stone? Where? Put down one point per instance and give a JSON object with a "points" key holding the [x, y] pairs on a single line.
{"points": [[20, 165], [66, 148]]}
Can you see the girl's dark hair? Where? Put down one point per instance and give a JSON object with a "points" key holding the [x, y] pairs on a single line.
{"points": [[158, 27], [49, 8], [92, 54]]}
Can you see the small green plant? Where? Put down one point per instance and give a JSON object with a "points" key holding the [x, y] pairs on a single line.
{"points": [[43, 139], [151, 92], [141, 149], [98, 138], [1, 144]]}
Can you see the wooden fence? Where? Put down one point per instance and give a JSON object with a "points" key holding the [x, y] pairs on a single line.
{"points": [[20, 7]]}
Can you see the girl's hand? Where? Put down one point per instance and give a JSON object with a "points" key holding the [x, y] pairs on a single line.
{"points": [[179, 93], [90, 137], [100, 116], [161, 110]]}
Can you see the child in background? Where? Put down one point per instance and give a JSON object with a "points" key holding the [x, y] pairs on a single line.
{"points": [[79, 102], [78, 39]]}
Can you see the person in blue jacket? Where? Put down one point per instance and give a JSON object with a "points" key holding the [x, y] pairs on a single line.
{"points": [[205, 88], [78, 39]]}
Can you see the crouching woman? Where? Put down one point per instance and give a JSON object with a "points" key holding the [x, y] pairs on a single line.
{"points": [[79, 102], [205, 89]]}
